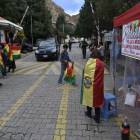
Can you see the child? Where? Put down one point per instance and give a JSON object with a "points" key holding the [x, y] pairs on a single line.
{"points": [[64, 58]]}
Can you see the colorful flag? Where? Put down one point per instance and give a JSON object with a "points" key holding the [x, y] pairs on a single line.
{"points": [[16, 52], [92, 91], [2, 65], [70, 74], [7, 51]]}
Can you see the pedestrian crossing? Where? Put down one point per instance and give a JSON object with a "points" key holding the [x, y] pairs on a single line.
{"points": [[48, 68]]}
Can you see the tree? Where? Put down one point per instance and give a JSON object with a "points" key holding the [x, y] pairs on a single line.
{"points": [[20, 36], [13, 10], [60, 21], [104, 13], [85, 26]]}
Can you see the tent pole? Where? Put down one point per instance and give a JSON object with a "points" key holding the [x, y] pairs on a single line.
{"points": [[114, 61]]}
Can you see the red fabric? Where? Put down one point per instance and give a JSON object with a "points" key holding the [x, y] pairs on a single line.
{"points": [[131, 15], [98, 85], [69, 70]]}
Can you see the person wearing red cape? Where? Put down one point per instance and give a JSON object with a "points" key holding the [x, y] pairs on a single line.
{"points": [[92, 88]]}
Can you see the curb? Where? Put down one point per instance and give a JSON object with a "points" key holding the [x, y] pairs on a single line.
{"points": [[25, 55]]}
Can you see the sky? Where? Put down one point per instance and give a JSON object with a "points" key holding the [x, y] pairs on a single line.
{"points": [[71, 7]]}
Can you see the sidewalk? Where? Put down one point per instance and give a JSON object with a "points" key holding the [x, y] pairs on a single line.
{"points": [[124, 110]]}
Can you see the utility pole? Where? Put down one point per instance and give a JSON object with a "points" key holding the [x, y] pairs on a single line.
{"points": [[63, 28], [32, 30], [97, 23], [31, 24]]}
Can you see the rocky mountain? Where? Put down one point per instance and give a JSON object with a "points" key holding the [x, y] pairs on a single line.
{"points": [[75, 18], [56, 10]]}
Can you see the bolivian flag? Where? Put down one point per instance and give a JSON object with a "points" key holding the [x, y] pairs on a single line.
{"points": [[16, 52], [70, 74], [7, 51], [2, 65], [92, 91]]}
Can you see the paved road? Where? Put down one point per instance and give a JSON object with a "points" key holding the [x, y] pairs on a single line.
{"points": [[34, 107]]}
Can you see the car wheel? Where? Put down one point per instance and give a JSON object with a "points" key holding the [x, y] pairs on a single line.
{"points": [[56, 58], [37, 59]]}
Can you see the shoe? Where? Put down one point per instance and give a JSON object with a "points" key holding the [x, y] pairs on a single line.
{"points": [[89, 116], [97, 121], [61, 83], [4, 77], [75, 84], [0, 84]]}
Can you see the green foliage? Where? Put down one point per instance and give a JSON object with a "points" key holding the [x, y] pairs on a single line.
{"points": [[20, 36], [13, 10], [60, 21], [70, 30], [84, 27], [104, 12]]}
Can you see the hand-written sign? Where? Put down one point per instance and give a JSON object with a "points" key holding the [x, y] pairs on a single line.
{"points": [[131, 39]]}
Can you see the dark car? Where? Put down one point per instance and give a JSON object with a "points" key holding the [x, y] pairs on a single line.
{"points": [[47, 49]]}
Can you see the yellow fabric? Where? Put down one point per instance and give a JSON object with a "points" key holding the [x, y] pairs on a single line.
{"points": [[7, 48], [70, 76], [90, 72], [16, 52]]}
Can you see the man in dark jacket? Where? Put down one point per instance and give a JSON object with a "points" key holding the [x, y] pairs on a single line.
{"points": [[93, 43], [84, 46]]}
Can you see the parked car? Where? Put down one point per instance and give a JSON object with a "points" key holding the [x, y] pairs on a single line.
{"points": [[26, 45], [74, 41], [47, 49]]}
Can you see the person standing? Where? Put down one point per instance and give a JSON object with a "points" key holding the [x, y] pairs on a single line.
{"points": [[92, 90], [84, 47], [70, 44], [5, 60], [64, 58], [93, 43], [101, 49]]}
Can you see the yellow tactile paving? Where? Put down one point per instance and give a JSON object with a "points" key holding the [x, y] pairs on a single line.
{"points": [[119, 121], [34, 70], [26, 69], [60, 129], [54, 69]]}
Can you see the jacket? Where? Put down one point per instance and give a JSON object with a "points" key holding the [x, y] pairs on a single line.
{"points": [[64, 56], [84, 44]]}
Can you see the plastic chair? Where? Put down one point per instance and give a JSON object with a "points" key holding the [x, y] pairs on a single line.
{"points": [[106, 109]]}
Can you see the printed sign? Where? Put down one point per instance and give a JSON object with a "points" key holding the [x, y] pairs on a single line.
{"points": [[131, 39]]}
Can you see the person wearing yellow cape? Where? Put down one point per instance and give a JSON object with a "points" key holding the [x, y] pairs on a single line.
{"points": [[92, 87]]}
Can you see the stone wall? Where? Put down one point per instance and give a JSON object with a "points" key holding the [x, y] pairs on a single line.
{"points": [[56, 10]]}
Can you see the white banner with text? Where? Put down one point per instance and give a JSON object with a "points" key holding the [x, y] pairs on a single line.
{"points": [[131, 39]]}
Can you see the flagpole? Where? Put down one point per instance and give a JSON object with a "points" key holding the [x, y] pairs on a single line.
{"points": [[21, 22]]}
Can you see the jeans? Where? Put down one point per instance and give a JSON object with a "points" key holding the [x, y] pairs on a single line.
{"points": [[4, 72], [102, 57], [97, 112], [63, 68]]}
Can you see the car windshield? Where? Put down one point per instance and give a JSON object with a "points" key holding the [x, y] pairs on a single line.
{"points": [[47, 43]]}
